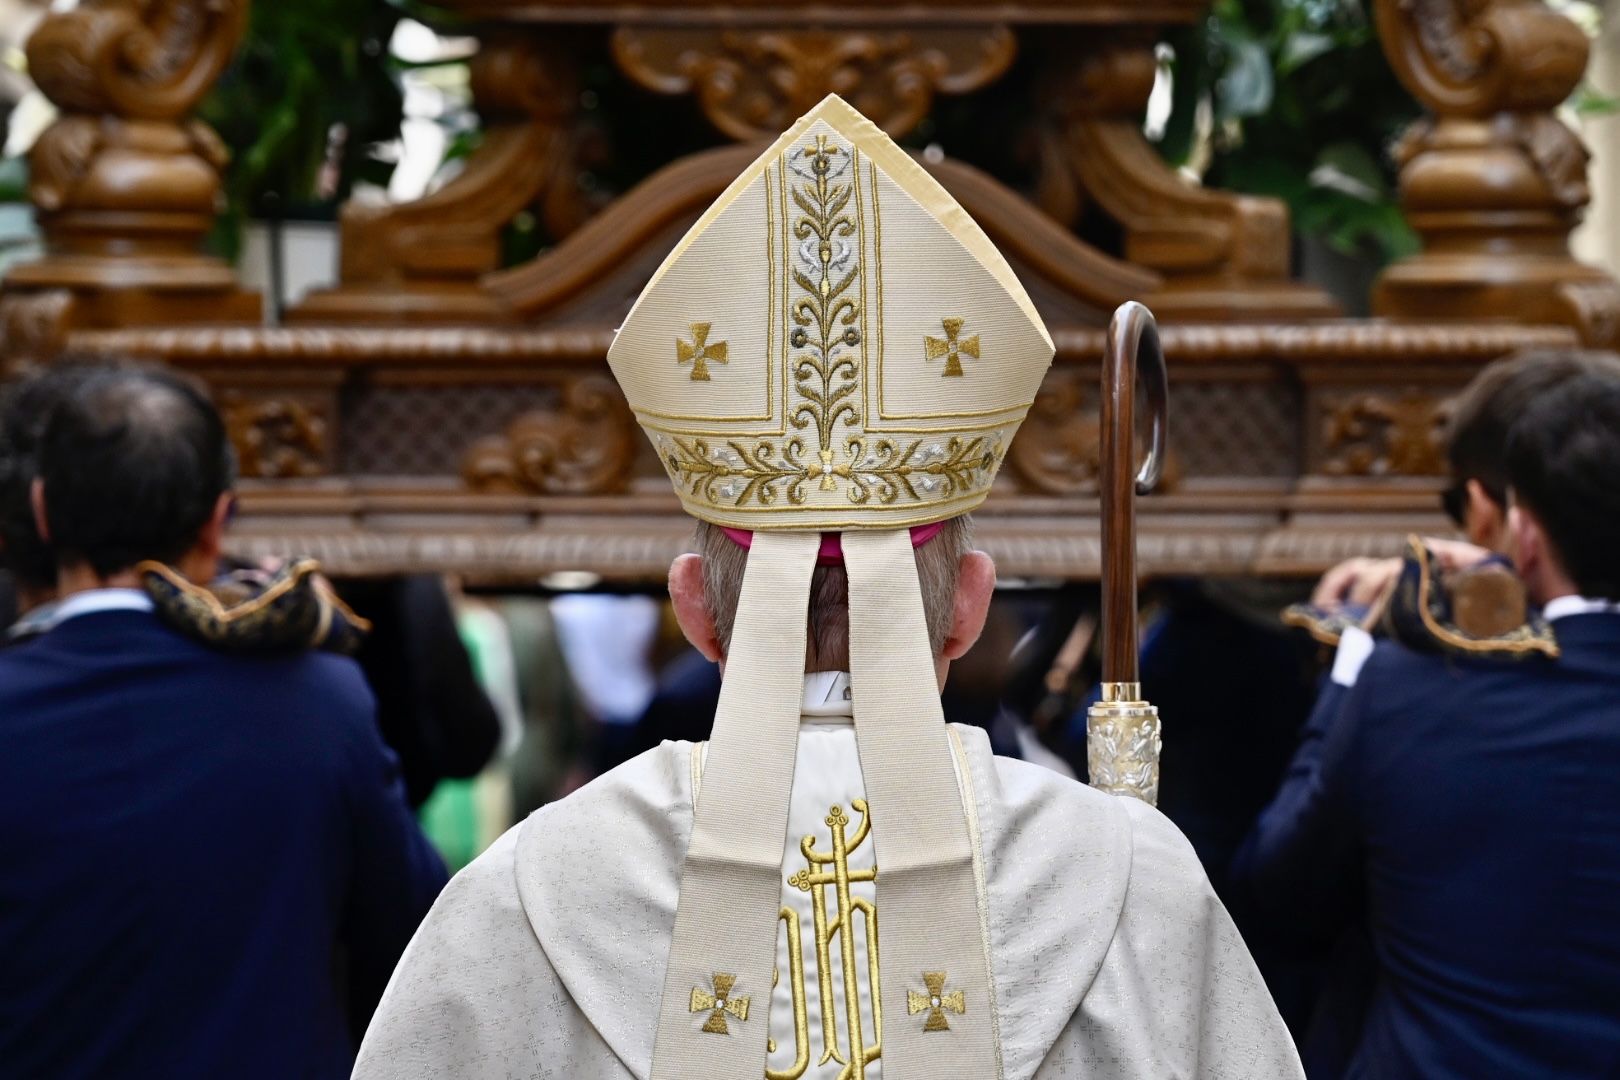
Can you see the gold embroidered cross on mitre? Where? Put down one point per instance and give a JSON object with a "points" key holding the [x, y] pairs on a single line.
{"points": [[698, 352], [952, 347]]}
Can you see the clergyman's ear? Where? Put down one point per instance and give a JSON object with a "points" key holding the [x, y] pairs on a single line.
{"points": [[975, 585], [691, 606]]}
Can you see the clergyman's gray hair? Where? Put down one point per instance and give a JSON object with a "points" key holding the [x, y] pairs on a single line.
{"points": [[827, 648]]}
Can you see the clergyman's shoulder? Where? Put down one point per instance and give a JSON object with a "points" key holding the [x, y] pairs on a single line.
{"points": [[1114, 838]]}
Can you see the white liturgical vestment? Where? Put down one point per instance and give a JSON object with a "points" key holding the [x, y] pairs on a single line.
{"points": [[1110, 956]]}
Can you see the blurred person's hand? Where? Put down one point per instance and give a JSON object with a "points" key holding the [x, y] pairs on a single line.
{"points": [[1355, 583], [1365, 583]]}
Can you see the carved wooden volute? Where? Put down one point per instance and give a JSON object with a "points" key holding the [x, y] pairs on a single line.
{"points": [[1223, 256], [125, 183], [1493, 181]]}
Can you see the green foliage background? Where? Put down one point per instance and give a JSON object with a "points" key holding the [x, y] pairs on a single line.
{"points": [[1304, 108]]}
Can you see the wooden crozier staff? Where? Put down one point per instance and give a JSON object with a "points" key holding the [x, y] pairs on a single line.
{"points": [[1122, 730]]}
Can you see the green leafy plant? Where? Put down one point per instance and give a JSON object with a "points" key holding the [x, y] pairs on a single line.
{"points": [[311, 93], [1294, 99]]}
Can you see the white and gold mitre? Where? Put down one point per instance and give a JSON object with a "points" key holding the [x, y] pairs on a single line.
{"points": [[834, 344]]}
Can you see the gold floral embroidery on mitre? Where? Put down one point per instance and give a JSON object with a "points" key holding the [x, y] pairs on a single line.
{"points": [[824, 871], [824, 312]]}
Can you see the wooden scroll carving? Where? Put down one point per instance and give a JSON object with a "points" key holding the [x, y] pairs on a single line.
{"points": [[124, 183], [584, 447], [1493, 181], [753, 83], [1378, 433], [1223, 256], [1057, 450], [597, 270], [278, 435], [421, 260]]}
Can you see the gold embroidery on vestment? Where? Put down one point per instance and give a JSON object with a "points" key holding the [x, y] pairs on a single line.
{"points": [[718, 1003], [831, 869], [801, 1015], [935, 1002]]}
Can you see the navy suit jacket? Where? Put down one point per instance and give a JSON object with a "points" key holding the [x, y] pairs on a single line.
{"points": [[198, 854], [1471, 810]]}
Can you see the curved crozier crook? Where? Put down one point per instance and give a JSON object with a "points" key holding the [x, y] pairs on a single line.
{"points": [[1133, 341], [1132, 348]]}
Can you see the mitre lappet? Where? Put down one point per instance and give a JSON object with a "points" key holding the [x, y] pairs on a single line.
{"points": [[834, 358]]}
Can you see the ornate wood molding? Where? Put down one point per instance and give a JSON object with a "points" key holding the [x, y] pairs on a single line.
{"points": [[838, 13], [279, 435], [124, 184], [1346, 347], [1493, 181], [586, 447], [1383, 433], [1222, 255], [422, 260], [753, 83]]}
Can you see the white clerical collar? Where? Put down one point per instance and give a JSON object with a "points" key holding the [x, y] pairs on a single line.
{"points": [[1564, 606], [826, 693]]}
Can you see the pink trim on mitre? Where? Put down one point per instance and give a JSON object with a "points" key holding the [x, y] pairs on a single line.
{"points": [[832, 548]]}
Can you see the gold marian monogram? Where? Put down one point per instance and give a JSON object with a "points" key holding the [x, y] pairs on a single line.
{"points": [[824, 333], [718, 1002], [826, 871], [952, 347], [699, 353]]}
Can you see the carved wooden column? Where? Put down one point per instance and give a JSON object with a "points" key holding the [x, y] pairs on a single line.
{"points": [[422, 260], [1493, 181], [1224, 256], [125, 184]]}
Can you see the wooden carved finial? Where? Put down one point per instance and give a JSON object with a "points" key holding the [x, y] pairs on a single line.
{"points": [[1492, 181], [124, 183]]}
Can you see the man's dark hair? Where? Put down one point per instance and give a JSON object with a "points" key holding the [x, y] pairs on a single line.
{"points": [[133, 465], [1486, 411], [1563, 461], [25, 408]]}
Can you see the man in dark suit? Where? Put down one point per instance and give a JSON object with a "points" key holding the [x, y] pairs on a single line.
{"points": [[205, 858], [1469, 806]]}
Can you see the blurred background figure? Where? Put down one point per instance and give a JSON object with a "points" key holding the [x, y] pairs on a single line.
{"points": [[1456, 799], [430, 707], [210, 867]]}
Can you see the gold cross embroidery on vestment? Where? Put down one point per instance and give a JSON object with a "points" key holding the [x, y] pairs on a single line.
{"points": [[718, 1003], [935, 1002]]}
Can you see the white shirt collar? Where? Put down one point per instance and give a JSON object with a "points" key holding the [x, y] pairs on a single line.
{"points": [[93, 601], [826, 693], [1564, 606]]}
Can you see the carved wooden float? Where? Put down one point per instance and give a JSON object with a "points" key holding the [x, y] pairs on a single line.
{"points": [[437, 410]]}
